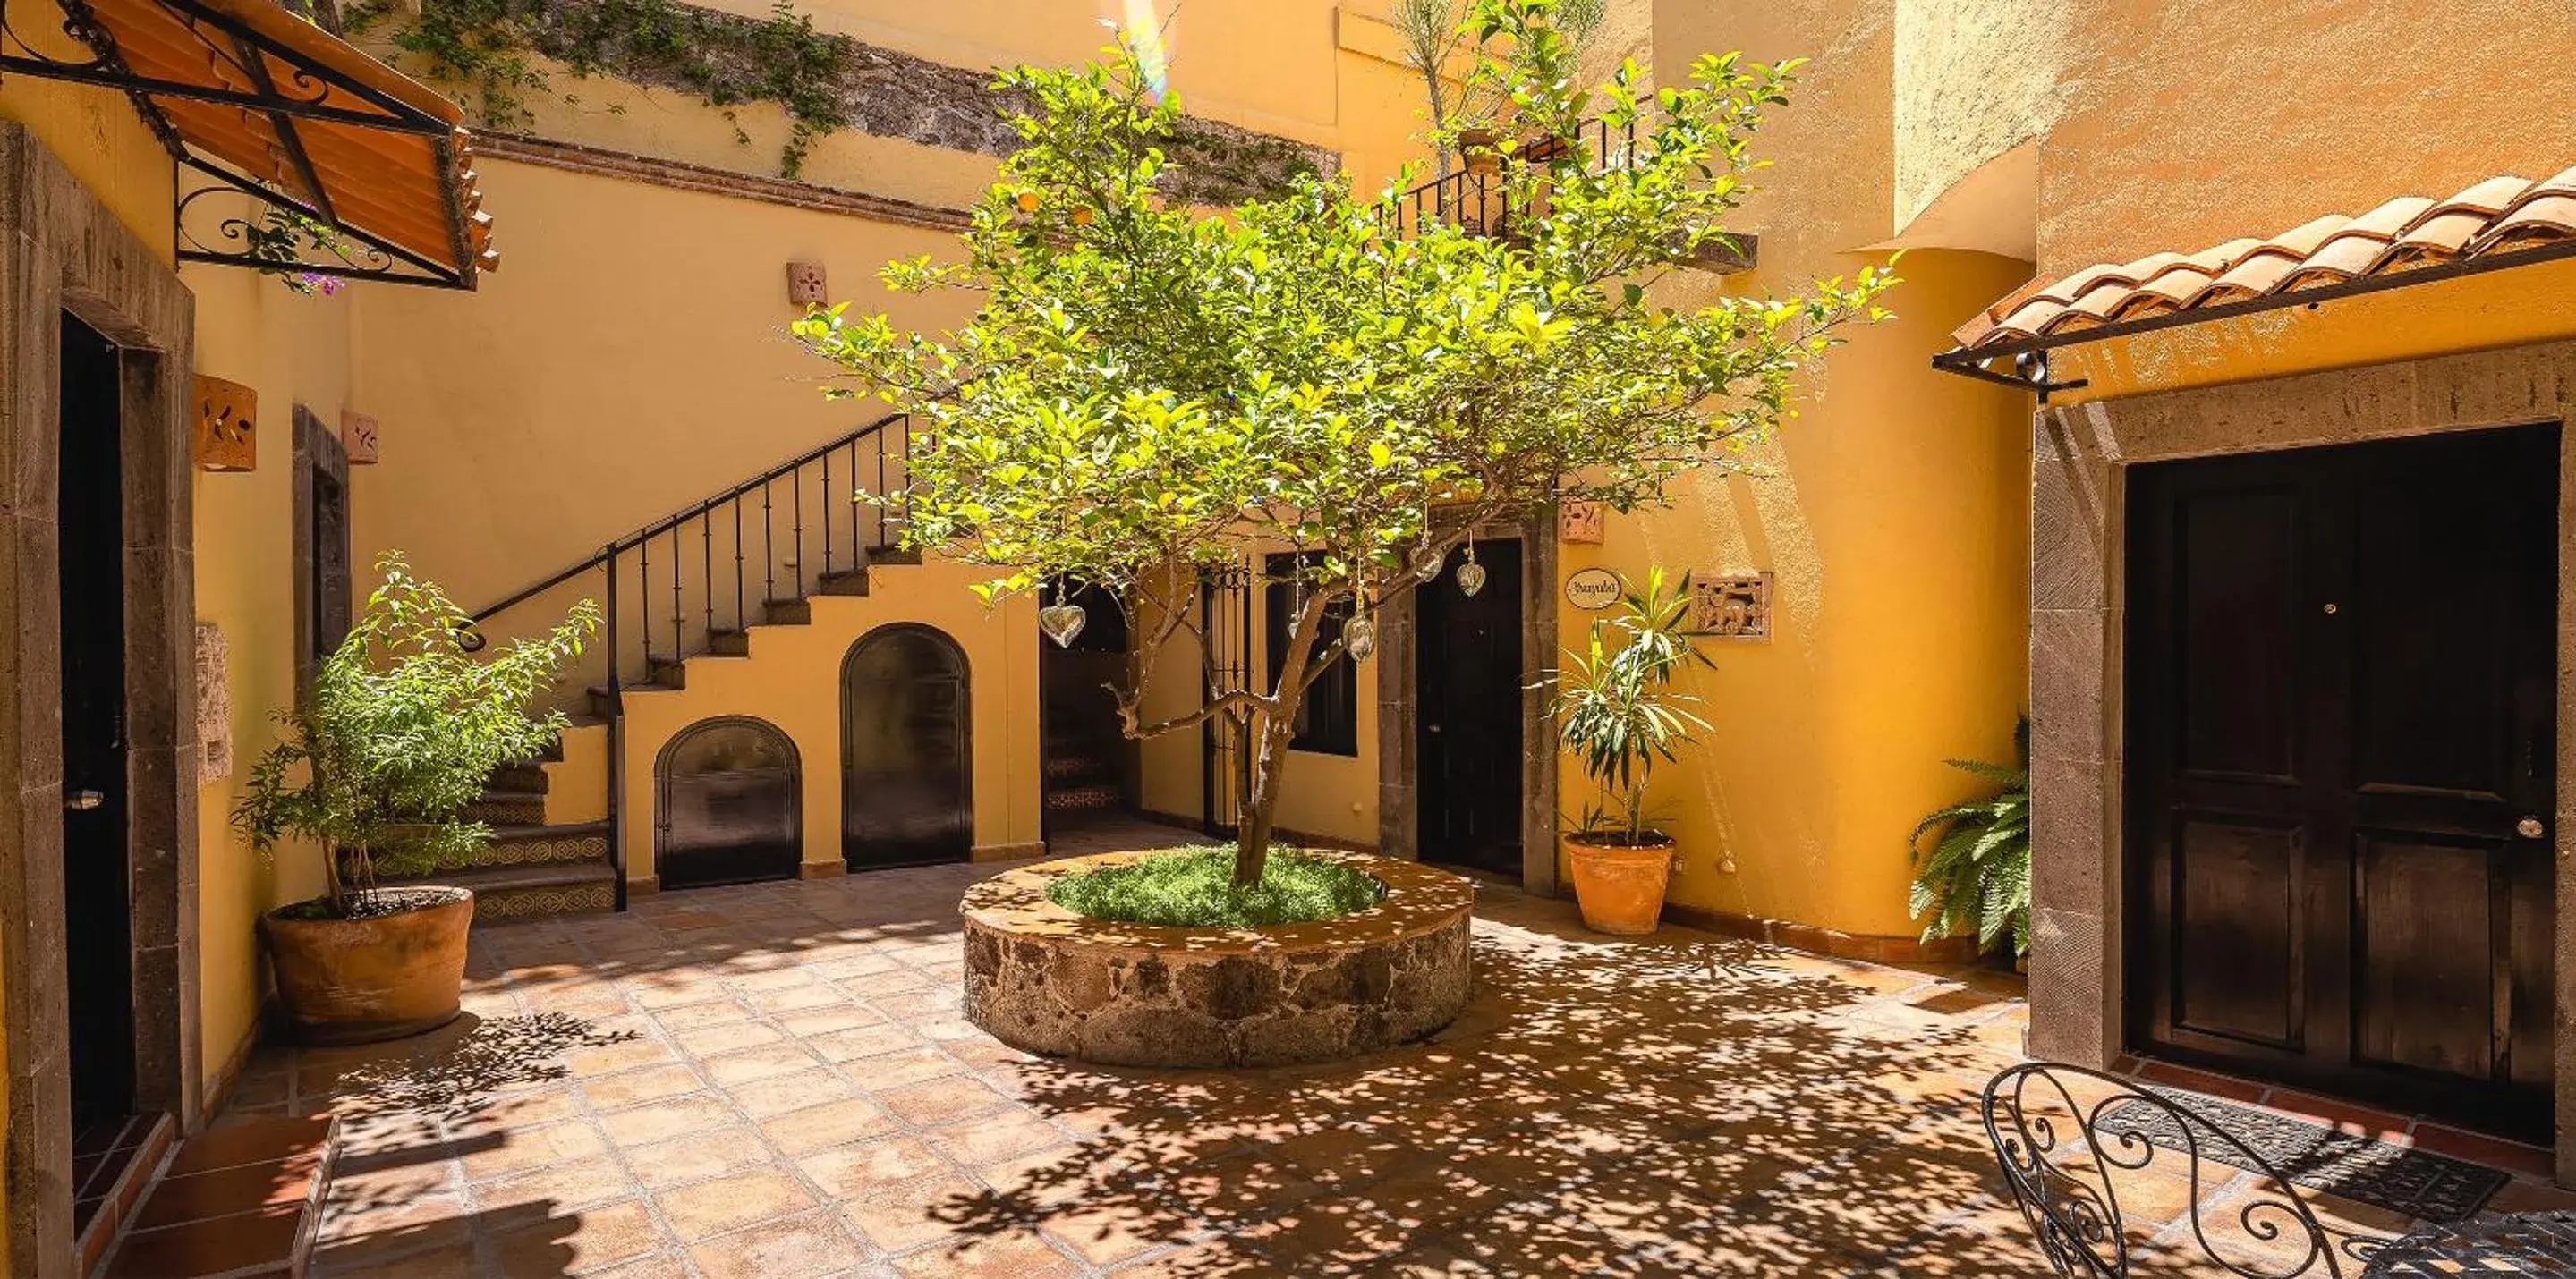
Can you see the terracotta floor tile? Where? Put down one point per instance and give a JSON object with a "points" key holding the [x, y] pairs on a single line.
{"points": [[779, 1094], [725, 1037], [870, 1167], [814, 1244], [580, 1242], [732, 1202], [913, 1212], [697, 1156], [653, 1083], [662, 1120], [209, 1247], [515, 1151], [868, 1041], [573, 1183], [990, 1138], [833, 1123], [1018, 1254], [689, 1017], [757, 1063], [263, 1142], [942, 1100], [223, 1192]]}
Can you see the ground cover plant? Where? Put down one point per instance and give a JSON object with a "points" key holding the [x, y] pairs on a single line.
{"points": [[1195, 888]]}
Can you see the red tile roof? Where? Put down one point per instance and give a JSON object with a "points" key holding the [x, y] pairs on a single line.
{"points": [[2494, 219]]}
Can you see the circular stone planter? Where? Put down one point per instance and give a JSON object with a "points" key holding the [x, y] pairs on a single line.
{"points": [[1043, 979]]}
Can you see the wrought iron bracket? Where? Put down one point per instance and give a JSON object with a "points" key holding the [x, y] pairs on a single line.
{"points": [[282, 232], [2029, 372], [213, 234]]}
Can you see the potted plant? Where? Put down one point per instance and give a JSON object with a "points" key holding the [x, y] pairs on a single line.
{"points": [[1976, 878], [1619, 713], [400, 729]]}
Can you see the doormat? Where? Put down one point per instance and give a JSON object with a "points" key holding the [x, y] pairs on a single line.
{"points": [[2418, 1183]]}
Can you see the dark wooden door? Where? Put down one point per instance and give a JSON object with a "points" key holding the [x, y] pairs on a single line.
{"points": [[2342, 713], [97, 953], [731, 806], [906, 761], [1468, 686]]}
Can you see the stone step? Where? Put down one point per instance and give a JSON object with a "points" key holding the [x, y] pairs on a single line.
{"points": [[512, 807], [243, 1199], [525, 777], [795, 612], [506, 893], [532, 844], [848, 581]]}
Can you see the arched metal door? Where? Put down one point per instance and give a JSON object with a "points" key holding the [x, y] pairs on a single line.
{"points": [[731, 805], [906, 762]]}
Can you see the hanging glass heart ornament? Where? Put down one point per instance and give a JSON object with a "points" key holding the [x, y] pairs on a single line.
{"points": [[1359, 638], [1471, 576], [1427, 561], [1062, 622]]}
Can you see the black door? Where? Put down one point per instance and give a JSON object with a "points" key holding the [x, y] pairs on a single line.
{"points": [[1468, 686], [98, 965], [731, 807], [2342, 690], [906, 797]]}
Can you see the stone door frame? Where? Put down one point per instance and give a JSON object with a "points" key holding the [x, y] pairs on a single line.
{"points": [[1398, 741], [2079, 459], [61, 250]]}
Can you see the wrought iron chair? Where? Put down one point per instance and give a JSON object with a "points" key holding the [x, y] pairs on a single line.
{"points": [[2067, 1138]]}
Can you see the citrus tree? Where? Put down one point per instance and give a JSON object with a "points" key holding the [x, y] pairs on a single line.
{"points": [[1148, 391]]}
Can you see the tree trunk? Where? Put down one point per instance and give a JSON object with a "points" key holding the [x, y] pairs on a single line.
{"points": [[1270, 730]]}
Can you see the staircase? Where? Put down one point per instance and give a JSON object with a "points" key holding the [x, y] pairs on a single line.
{"points": [[693, 587]]}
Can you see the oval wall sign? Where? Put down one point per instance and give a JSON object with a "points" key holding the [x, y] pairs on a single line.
{"points": [[1594, 588]]}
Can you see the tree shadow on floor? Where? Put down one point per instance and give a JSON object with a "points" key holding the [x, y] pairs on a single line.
{"points": [[1656, 1107]]}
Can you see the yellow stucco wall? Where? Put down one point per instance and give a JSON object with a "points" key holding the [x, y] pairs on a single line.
{"points": [[291, 349], [792, 679]]}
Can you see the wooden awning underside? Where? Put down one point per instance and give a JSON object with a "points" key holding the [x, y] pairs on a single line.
{"points": [[364, 172]]}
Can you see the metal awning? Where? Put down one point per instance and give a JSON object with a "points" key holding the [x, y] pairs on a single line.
{"points": [[362, 172]]}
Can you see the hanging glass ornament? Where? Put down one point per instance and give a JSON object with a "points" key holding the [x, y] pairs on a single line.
{"points": [[1359, 638], [1062, 621], [1471, 575], [1428, 561]]}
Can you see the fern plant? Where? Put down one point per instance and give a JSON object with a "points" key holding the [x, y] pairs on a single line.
{"points": [[1976, 877], [397, 735]]}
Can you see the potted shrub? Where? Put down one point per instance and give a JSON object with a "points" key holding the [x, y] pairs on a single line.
{"points": [[400, 729], [1619, 713], [1976, 878]]}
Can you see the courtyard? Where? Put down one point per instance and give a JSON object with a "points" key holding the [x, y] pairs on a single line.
{"points": [[773, 1080]]}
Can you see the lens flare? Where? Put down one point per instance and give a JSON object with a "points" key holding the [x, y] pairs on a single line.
{"points": [[1145, 31]]}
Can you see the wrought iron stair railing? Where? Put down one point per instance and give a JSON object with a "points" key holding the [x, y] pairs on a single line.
{"points": [[695, 581]]}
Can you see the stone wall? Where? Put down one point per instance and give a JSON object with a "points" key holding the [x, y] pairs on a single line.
{"points": [[1040, 978]]}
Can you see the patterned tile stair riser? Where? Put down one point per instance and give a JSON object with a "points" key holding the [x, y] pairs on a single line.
{"points": [[2418, 1183]]}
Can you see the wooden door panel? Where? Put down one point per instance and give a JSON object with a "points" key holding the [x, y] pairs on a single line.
{"points": [[2341, 704], [2236, 930], [2424, 935], [2239, 633]]}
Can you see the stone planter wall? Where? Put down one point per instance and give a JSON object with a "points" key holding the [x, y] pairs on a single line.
{"points": [[1043, 979]]}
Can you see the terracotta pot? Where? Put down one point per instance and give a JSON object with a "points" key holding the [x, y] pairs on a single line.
{"points": [[1620, 889], [357, 981], [1479, 151]]}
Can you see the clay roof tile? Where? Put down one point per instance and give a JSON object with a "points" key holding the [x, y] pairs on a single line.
{"points": [[2498, 215]]}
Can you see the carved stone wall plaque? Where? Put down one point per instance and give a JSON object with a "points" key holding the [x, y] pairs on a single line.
{"points": [[1580, 522], [227, 425], [1731, 606], [805, 283], [214, 706], [358, 437]]}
